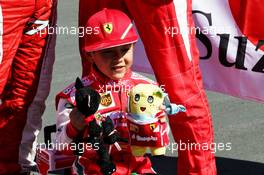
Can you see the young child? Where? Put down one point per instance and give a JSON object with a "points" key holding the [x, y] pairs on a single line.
{"points": [[110, 50]]}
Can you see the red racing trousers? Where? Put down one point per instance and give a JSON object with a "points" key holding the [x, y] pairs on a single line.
{"points": [[26, 57]]}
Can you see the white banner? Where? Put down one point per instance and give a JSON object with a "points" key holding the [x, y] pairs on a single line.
{"points": [[230, 62]]}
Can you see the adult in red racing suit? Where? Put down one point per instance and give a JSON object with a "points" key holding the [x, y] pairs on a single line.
{"points": [[164, 29], [114, 104], [26, 59]]}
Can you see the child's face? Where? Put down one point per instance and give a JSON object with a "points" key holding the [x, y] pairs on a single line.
{"points": [[114, 62]]}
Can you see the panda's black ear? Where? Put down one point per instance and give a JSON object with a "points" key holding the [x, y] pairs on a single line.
{"points": [[78, 83]]}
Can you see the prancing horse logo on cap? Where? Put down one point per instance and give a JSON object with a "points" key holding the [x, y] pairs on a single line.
{"points": [[108, 27]]}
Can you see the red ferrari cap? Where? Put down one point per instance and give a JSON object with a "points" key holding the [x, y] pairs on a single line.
{"points": [[112, 28]]}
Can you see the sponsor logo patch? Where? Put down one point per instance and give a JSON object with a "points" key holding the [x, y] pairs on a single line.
{"points": [[152, 126], [106, 100], [108, 28]]}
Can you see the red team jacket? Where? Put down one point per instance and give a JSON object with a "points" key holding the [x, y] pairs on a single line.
{"points": [[113, 103]]}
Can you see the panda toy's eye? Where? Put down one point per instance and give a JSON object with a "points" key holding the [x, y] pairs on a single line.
{"points": [[150, 99], [137, 97]]}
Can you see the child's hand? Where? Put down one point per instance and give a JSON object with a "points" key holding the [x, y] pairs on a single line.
{"points": [[77, 119]]}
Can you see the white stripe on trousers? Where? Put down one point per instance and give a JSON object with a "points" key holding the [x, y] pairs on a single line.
{"points": [[181, 14]]}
